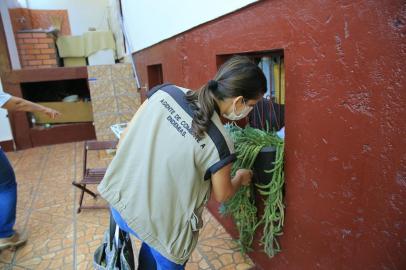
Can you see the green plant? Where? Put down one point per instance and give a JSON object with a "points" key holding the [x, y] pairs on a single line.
{"points": [[248, 142], [242, 205], [273, 216]]}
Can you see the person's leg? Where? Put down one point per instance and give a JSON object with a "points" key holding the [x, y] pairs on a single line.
{"points": [[162, 263], [8, 203], [149, 258], [8, 197], [145, 259]]}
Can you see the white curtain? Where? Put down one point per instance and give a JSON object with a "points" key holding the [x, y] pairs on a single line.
{"points": [[115, 26]]}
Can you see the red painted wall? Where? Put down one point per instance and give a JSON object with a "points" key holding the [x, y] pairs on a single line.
{"points": [[345, 121]]}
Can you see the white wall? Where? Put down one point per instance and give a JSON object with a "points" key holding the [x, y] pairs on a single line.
{"points": [[149, 22], [82, 13], [16, 3], [115, 26]]}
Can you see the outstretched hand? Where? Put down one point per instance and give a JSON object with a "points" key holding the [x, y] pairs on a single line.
{"points": [[51, 112]]}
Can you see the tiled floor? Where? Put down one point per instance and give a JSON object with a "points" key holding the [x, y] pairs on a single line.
{"points": [[59, 238]]}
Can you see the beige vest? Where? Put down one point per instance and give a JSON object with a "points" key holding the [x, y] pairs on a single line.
{"points": [[159, 180]]}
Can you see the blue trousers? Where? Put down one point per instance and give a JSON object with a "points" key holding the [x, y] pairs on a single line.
{"points": [[8, 197], [149, 258]]}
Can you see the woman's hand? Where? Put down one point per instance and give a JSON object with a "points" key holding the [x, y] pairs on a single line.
{"points": [[51, 112], [23, 105], [245, 175], [223, 188]]}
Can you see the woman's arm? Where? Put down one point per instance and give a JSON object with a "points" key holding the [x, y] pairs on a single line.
{"points": [[19, 104], [223, 187]]}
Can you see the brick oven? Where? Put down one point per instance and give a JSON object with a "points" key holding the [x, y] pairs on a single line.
{"points": [[37, 49]]}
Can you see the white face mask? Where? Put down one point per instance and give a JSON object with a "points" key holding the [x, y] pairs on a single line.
{"points": [[234, 117]]}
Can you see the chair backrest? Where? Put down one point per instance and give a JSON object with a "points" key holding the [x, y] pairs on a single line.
{"points": [[100, 145], [96, 145]]}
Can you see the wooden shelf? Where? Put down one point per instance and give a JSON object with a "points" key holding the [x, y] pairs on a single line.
{"points": [[46, 74], [62, 133]]}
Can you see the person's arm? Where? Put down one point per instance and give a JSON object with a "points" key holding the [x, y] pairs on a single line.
{"points": [[19, 104], [223, 187]]}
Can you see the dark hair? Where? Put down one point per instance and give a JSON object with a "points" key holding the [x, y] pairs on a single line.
{"points": [[239, 76]]}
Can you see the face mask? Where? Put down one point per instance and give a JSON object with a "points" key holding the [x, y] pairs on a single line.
{"points": [[234, 117]]}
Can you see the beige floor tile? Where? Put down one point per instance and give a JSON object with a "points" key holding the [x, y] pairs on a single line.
{"points": [[6, 256], [54, 206], [88, 237], [98, 217], [28, 165], [50, 241], [27, 176], [192, 266], [25, 194], [196, 261], [4, 266], [87, 233]]}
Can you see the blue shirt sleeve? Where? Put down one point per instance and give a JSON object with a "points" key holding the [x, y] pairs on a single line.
{"points": [[4, 97]]}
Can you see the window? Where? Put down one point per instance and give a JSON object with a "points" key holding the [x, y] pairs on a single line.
{"points": [[155, 75], [274, 70]]}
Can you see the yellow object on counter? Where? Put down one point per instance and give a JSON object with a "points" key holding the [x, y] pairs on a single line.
{"points": [[74, 61], [86, 44], [71, 46], [71, 112], [95, 41]]}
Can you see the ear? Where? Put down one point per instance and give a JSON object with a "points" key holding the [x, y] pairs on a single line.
{"points": [[239, 100]]}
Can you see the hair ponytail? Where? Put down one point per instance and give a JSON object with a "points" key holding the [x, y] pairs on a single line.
{"points": [[239, 76], [203, 105]]}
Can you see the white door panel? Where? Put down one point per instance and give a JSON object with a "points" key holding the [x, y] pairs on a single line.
{"points": [[5, 129]]}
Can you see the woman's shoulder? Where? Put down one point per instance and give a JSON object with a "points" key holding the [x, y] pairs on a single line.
{"points": [[169, 88], [184, 89]]}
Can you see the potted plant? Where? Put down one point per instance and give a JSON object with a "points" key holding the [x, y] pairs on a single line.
{"points": [[262, 151]]}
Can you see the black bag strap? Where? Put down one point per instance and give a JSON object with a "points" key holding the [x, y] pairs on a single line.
{"points": [[125, 245], [112, 230], [123, 235], [126, 259]]}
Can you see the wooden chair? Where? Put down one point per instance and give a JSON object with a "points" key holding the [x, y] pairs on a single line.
{"points": [[92, 176]]}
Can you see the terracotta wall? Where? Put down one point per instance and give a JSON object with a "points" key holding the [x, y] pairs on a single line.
{"points": [[20, 19], [36, 49], [34, 19], [345, 121]]}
